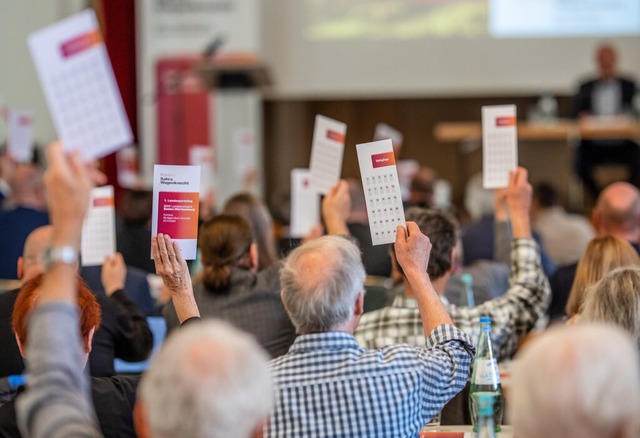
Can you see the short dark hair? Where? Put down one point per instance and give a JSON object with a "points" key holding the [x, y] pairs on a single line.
{"points": [[546, 194], [442, 230]]}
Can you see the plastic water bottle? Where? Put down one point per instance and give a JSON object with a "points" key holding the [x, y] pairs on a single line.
{"points": [[485, 377], [486, 428], [548, 108], [467, 280]]}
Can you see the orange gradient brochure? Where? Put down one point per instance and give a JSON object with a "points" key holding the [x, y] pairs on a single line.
{"points": [[175, 205], [499, 145], [381, 190], [78, 82]]}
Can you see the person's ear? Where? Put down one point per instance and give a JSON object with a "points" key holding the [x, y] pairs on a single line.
{"points": [[452, 268], [22, 348], [258, 431], [140, 422], [358, 309], [253, 257], [596, 219], [20, 267], [88, 341]]}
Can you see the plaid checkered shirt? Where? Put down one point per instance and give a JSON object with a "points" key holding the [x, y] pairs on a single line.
{"points": [[513, 314], [329, 386]]}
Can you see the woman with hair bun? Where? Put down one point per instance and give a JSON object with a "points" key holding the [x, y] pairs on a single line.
{"points": [[231, 288]]}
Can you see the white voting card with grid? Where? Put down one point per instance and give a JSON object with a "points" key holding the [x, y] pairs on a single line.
{"points": [[381, 190], [384, 131], [305, 204], [20, 137], [326, 154], [99, 228], [499, 145], [78, 82], [205, 157]]}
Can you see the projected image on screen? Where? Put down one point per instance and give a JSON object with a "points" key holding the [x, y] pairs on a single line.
{"points": [[395, 19]]}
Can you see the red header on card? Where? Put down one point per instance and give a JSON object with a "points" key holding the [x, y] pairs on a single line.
{"points": [[103, 202], [506, 121], [80, 43], [24, 120], [384, 159], [335, 136]]}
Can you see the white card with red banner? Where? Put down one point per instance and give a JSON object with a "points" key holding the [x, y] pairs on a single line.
{"points": [[20, 136], [176, 191], [381, 190], [128, 167], [79, 85], [499, 145], [327, 151], [99, 228], [305, 204]]}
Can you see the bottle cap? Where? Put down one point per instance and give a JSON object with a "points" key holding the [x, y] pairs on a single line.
{"points": [[485, 320], [467, 279]]}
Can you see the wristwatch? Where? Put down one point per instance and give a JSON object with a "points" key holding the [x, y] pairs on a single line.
{"points": [[62, 254]]}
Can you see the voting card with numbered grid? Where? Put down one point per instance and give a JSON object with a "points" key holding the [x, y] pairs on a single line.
{"points": [[99, 228], [381, 190], [327, 151], [176, 191], [205, 157], [384, 131], [305, 203], [499, 145], [79, 85], [20, 136]]}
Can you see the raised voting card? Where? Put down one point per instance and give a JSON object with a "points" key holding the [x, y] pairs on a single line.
{"points": [[20, 136], [79, 85], [175, 205], [499, 145], [305, 204], [99, 228], [326, 154], [381, 190]]}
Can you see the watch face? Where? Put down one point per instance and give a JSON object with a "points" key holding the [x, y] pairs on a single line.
{"points": [[66, 255]]}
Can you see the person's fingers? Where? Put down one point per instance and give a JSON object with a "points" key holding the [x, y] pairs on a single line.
{"points": [[55, 156], [155, 251], [413, 228], [171, 255], [401, 234]]}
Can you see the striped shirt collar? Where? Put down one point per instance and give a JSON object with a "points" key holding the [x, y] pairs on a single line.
{"points": [[324, 341]]}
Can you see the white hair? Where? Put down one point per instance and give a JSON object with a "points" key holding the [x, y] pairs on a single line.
{"points": [[577, 382], [320, 283], [209, 380]]}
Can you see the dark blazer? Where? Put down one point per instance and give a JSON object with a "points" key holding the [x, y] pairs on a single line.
{"points": [[113, 399], [583, 102]]}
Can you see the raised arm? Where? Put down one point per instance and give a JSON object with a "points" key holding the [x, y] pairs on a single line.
{"points": [[57, 402], [173, 269], [412, 249]]}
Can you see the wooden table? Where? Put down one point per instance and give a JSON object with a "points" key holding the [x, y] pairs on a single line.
{"points": [[463, 432]]}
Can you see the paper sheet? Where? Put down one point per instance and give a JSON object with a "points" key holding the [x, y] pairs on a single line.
{"points": [[175, 205], [381, 190], [384, 131], [128, 167], [204, 156], [99, 228], [305, 204], [326, 154], [79, 85], [20, 137], [499, 145]]}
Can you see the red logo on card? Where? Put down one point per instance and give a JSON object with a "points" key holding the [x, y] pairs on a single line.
{"points": [[506, 121], [80, 43], [103, 202], [335, 136], [384, 159]]}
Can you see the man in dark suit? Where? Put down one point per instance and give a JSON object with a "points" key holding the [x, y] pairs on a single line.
{"points": [[608, 95]]}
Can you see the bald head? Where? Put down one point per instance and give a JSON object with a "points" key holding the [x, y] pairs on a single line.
{"points": [[322, 283], [606, 57], [617, 212], [30, 264]]}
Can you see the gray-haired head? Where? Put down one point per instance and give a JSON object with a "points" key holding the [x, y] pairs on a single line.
{"points": [[615, 299], [577, 382], [209, 380], [320, 283]]}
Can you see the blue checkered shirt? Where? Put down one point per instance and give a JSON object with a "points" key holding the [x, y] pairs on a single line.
{"points": [[329, 386]]}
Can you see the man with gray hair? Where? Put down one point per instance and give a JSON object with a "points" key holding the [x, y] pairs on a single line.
{"points": [[209, 380], [326, 385], [577, 382]]}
